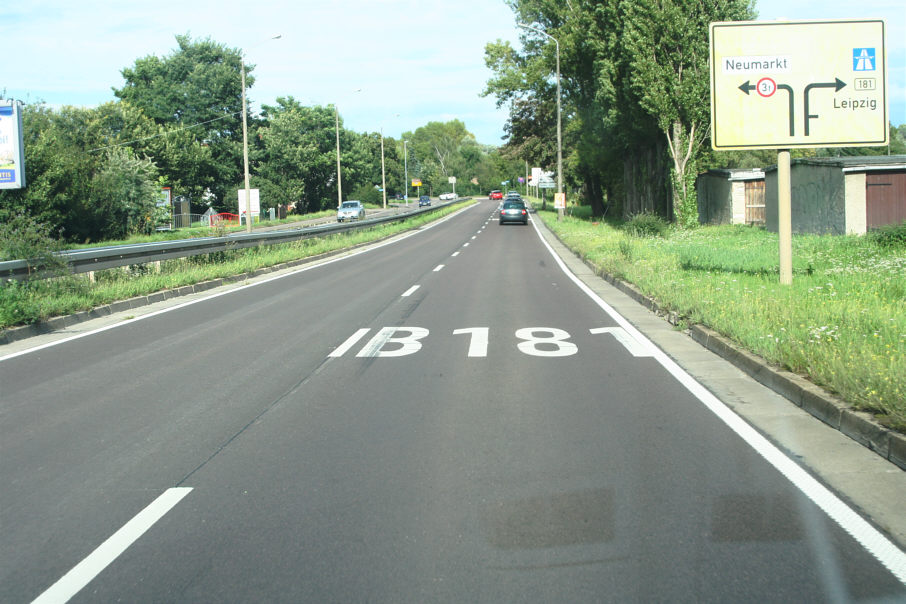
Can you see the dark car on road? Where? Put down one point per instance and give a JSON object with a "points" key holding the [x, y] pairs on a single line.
{"points": [[424, 200], [513, 211]]}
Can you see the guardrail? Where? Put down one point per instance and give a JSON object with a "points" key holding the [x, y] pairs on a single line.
{"points": [[94, 259]]}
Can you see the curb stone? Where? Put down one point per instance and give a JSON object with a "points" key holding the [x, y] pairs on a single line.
{"points": [[830, 409]]}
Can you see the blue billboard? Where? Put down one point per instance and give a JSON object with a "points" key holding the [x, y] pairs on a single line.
{"points": [[12, 152]]}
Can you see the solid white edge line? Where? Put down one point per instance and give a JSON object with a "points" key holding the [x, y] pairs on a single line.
{"points": [[236, 289], [86, 570], [885, 551]]}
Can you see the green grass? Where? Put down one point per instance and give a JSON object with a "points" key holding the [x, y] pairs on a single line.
{"points": [[34, 301], [842, 323]]}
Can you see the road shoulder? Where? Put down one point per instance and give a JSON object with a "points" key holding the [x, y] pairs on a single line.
{"points": [[870, 483]]}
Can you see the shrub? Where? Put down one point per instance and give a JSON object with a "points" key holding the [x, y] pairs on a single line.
{"points": [[889, 236], [646, 224], [24, 238]]}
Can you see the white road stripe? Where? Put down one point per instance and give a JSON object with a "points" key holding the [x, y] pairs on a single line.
{"points": [[455, 254], [86, 570], [622, 336], [350, 342], [410, 291], [870, 538], [439, 267]]}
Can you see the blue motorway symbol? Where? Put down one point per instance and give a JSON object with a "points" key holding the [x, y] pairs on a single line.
{"points": [[864, 59]]}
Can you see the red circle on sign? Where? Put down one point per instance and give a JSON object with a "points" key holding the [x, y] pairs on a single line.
{"points": [[766, 87]]}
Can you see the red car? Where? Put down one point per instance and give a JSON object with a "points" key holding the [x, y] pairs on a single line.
{"points": [[495, 195]]}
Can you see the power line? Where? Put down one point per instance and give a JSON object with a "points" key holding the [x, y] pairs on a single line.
{"points": [[167, 133]]}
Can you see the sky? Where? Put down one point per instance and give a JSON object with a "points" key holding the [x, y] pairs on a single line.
{"points": [[387, 64]]}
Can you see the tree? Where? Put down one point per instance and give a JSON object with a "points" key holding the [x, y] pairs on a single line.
{"points": [[124, 194], [436, 152], [665, 47], [299, 161], [197, 86]]}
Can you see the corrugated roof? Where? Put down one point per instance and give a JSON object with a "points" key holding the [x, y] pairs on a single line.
{"points": [[852, 163]]}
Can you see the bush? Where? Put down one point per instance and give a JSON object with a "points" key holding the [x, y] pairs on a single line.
{"points": [[889, 236], [367, 194], [646, 224], [24, 238]]}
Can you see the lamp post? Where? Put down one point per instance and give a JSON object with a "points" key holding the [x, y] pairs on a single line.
{"points": [[339, 178], [559, 134], [245, 141], [406, 172], [336, 110], [383, 177]]}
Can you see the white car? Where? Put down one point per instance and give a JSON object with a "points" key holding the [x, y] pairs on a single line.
{"points": [[351, 210], [447, 196]]}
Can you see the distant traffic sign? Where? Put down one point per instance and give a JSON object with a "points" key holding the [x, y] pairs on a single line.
{"points": [[818, 84]]}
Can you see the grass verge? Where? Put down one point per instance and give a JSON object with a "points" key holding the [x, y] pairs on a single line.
{"points": [[842, 323], [34, 301]]}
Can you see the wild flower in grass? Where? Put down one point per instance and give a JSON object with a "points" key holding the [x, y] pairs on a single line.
{"points": [[825, 333]]}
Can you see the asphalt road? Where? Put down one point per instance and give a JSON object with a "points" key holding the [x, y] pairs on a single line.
{"points": [[446, 417]]}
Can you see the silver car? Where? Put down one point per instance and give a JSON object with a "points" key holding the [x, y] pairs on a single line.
{"points": [[351, 210]]}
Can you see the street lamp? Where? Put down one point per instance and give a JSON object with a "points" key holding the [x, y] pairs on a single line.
{"points": [[383, 178], [336, 110], [406, 171], [559, 135], [245, 140]]}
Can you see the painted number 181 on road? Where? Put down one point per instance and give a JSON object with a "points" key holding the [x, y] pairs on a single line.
{"points": [[391, 342]]}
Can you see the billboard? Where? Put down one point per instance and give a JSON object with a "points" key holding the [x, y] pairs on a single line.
{"points": [[12, 150], [256, 203], [798, 84]]}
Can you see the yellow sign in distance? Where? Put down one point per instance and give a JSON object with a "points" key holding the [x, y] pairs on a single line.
{"points": [[560, 201], [416, 182], [787, 84]]}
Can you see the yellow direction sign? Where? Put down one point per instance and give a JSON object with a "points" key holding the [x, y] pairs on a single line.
{"points": [[786, 84]]}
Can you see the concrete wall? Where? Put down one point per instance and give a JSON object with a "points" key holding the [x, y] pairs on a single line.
{"points": [[722, 197], [818, 201], [856, 208], [714, 199], [738, 201]]}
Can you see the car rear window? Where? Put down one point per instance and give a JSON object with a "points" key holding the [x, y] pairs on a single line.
{"points": [[508, 205]]}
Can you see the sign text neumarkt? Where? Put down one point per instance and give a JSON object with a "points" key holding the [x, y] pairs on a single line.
{"points": [[785, 84]]}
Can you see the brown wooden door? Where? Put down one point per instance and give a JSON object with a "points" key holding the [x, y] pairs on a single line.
{"points": [[885, 198], [755, 202]]}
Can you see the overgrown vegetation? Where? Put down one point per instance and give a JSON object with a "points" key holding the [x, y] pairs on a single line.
{"points": [[646, 224], [891, 236], [842, 323], [24, 238]]}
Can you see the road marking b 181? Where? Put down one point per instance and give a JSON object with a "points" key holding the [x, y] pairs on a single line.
{"points": [[546, 342]]}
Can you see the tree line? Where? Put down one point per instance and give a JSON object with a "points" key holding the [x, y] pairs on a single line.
{"points": [[635, 96], [97, 173]]}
